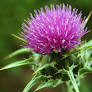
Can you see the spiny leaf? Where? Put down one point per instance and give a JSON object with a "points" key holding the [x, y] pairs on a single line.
{"points": [[34, 80], [19, 38], [17, 52], [85, 49], [64, 71], [18, 63], [50, 83], [85, 53], [86, 45], [85, 70], [43, 66]]}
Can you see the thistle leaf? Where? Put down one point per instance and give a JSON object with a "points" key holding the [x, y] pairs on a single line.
{"points": [[85, 70], [43, 66], [34, 80], [86, 45], [50, 83], [85, 53], [18, 63], [17, 52]]}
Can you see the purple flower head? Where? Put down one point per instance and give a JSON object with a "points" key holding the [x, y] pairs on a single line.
{"points": [[53, 28]]}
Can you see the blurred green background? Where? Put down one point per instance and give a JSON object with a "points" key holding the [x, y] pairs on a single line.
{"points": [[12, 15]]}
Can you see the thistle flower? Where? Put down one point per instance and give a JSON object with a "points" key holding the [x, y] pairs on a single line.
{"points": [[53, 28]]}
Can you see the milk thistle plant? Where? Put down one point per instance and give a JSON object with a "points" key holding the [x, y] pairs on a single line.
{"points": [[58, 55]]}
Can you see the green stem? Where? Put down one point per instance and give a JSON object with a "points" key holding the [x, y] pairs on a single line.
{"points": [[71, 76]]}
